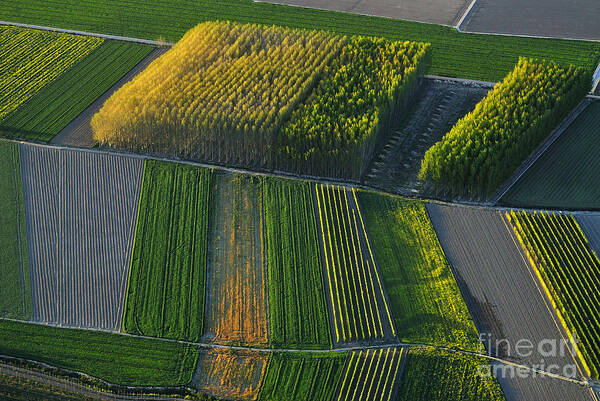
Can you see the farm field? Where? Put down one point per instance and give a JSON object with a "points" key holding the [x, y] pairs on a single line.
{"points": [[577, 19], [140, 362], [434, 374], [17, 389], [425, 299], [569, 269], [299, 377], [57, 103], [235, 375], [497, 284], [168, 269], [438, 106], [297, 307], [434, 11], [80, 209], [371, 375], [15, 288], [236, 297], [359, 309], [566, 174], [453, 54], [31, 59]]}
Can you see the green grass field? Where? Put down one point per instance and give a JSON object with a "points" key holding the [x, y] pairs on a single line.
{"points": [[566, 175], [453, 54], [168, 270], [426, 301], [45, 114], [115, 358], [441, 375], [300, 377], [297, 308], [15, 292]]}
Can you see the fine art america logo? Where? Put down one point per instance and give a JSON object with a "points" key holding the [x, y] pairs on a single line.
{"points": [[523, 352]]}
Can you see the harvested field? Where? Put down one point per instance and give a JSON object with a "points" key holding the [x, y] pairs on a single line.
{"points": [[371, 375], [297, 305], [15, 288], [168, 268], [445, 12], [497, 284], [358, 306], [566, 174], [438, 107], [540, 387], [425, 299], [301, 377], [590, 224], [431, 374], [78, 132], [236, 310], [575, 19], [80, 214], [234, 375]]}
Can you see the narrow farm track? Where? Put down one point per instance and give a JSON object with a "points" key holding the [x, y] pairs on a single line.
{"points": [[80, 213], [83, 33]]}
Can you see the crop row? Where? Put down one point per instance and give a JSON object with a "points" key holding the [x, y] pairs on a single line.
{"points": [[297, 306], [488, 144], [353, 281], [570, 272], [371, 375], [30, 59], [168, 269]]}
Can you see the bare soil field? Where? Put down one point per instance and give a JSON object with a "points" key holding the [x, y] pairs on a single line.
{"points": [[573, 19], [543, 387], [496, 281], [230, 374], [236, 280], [590, 224], [79, 132], [446, 12], [440, 105], [80, 215]]}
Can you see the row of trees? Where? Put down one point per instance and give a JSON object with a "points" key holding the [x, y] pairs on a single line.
{"points": [[488, 144], [220, 94], [361, 95]]}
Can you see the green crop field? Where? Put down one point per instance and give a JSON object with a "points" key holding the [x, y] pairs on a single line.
{"points": [[297, 308], [441, 375], [15, 292], [566, 174], [18, 389], [426, 301], [44, 115], [168, 269], [115, 358], [570, 273], [300, 377], [453, 54]]}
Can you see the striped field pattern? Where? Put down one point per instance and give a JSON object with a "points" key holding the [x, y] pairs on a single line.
{"points": [[359, 307], [81, 209], [371, 375]]}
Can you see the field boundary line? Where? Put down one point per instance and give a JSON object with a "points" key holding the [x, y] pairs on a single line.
{"points": [[85, 33], [540, 150], [465, 81], [347, 348], [465, 15], [553, 311]]}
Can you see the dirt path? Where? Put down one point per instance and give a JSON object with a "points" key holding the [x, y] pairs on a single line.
{"points": [[79, 132]]}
